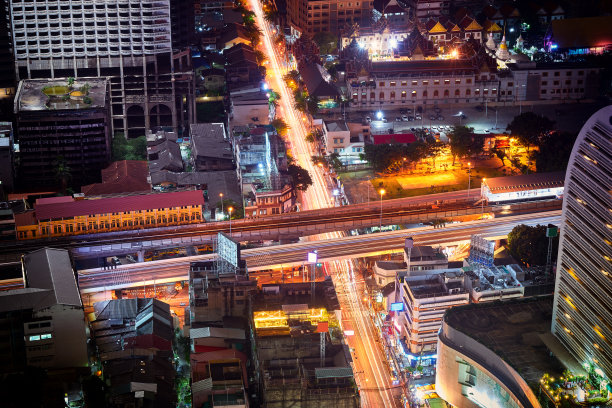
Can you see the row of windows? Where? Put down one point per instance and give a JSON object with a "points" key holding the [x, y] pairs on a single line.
{"points": [[436, 93], [567, 82], [457, 81], [564, 90], [38, 337]]}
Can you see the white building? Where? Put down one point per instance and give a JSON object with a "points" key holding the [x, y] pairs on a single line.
{"points": [[337, 138], [523, 187], [128, 41], [583, 306], [376, 41], [426, 298]]}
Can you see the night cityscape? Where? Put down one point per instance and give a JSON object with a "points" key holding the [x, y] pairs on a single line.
{"points": [[306, 203]]}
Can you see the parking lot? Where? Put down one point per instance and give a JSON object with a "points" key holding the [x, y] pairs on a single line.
{"points": [[568, 117]]}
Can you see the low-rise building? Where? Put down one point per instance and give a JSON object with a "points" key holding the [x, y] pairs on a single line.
{"points": [[300, 356], [210, 148], [125, 176], [274, 196], [575, 36], [66, 124], [66, 216], [133, 341], [523, 187], [423, 259], [249, 106]]}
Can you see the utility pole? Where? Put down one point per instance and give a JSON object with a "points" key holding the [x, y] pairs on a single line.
{"points": [[551, 232]]}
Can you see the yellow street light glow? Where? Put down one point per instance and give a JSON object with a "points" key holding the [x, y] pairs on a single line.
{"points": [[382, 191]]}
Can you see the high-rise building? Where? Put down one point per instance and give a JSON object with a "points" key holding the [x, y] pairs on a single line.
{"points": [[128, 41], [583, 293]]}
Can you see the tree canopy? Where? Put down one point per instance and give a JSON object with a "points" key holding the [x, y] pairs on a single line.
{"points": [[390, 157], [529, 128], [554, 151], [132, 149], [300, 176], [281, 126], [529, 245], [464, 142], [326, 41]]}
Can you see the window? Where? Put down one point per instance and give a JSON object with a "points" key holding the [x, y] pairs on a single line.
{"points": [[543, 91], [468, 92], [34, 338], [424, 94], [468, 81], [425, 83], [414, 94], [415, 83], [446, 81], [436, 82], [404, 83], [436, 93], [568, 82], [381, 84], [392, 95], [403, 94], [45, 336], [392, 83], [456, 92], [544, 74], [381, 96], [544, 83], [457, 81], [510, 83], [556, 83], [446, 92], [557, 73]]}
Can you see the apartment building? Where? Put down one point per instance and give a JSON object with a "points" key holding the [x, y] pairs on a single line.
{"points": [[130, 42], [274, 196], [63, 120], [314, 16], [426, 298], [66, 216], [582, 306]]}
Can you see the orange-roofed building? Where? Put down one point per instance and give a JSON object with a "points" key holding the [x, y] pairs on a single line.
{"points": [[125, 176], [65, 216]]}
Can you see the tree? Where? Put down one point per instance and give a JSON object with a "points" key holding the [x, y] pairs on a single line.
{"points": [[529, 128], [260, 56], [333, 160], [554, 151], [133, 149], [464, 143], [310, 138], [326, 41], [312, 104], [281, 126], [501, 155], [270, 15], [529, 245], [432, 148], [62, 172], [238, 211], [300, 176]]}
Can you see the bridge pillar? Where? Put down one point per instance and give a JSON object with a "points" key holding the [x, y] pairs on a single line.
{"points": [[140, 255]]}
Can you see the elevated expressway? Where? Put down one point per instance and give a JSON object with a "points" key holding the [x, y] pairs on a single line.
{"points": [[170, 270]]}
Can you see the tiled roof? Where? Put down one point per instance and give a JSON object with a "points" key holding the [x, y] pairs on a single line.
{"points": [[154, 201], [125, 176], [395, 138]]}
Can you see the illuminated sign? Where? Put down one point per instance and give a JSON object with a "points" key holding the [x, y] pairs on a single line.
{"points": [[312, 257], [397, 307]]}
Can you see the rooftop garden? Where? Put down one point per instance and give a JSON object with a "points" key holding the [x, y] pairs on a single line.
{"points": [[570, 390], [67, 96]]}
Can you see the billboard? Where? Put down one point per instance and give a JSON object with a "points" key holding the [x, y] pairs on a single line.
{"points": [[228, 254], [397, 307]]}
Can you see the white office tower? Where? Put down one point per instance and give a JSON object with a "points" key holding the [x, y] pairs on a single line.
{"points": [[129, 41], [582, 315]]}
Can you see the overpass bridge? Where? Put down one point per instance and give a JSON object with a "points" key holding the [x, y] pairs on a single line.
{"points": [[177, 269], [413, 210]]}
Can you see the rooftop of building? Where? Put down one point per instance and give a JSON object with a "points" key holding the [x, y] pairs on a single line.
{"points": [[57, 94], [425, 253], [315, 83], [50, 208], [437, 284], [492, 277], [50, 280], [125, 176], [513, 329], [165, 155], [533, 181], [336, 126], [276, 296], [208, 140]]}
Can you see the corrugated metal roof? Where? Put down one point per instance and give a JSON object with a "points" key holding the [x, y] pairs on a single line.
{"points": [[219, 332], [532, 181], [47, 211], [333, 372]]}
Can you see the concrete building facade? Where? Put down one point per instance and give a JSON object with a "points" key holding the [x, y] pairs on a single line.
{"points": [[583, 305], [130, 42]]}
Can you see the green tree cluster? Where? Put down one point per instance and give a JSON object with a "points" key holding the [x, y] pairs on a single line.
{"points": [[132, 149], [554, 151], [327, 42], [238, 211], [390, 157], [529, 245], [465, 143], [530, 128], [300, 176], [281, 126]]}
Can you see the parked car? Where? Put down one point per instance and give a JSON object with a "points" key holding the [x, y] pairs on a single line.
{"points": [[405, 118], [384, 120], [398, 119], [368, 119], [418, 116]]}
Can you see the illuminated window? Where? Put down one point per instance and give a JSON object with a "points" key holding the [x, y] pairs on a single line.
{"points": [[45, 336], [34, 338]]}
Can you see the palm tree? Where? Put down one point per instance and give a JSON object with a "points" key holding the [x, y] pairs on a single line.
{"points": [[62, 172]]}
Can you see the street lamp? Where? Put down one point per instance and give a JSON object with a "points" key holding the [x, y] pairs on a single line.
{"points": [[482, 196], [460, 117], [469, 178], [382, 193], [222, 212], [230, 209]]}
